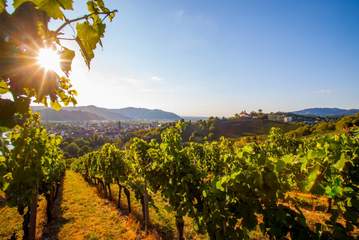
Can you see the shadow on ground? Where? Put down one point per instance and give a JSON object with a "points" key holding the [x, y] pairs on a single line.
{"points": [[52, 229], [164, 232]]}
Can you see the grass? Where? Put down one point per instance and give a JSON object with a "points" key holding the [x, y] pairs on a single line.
{"points": [[81, 214], [162, 218], [11, 220], [310, 201], [314, 208]]}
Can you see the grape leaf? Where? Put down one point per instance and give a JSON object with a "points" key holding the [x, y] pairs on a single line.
{"points": [[87, 38], [52, 8], [204, 193], [66, 4], [219, 186], [55, 105], [91, 6], [4, 88], [312, 178], [2, 5], [66, 57], [18, 3], [341, 162]]}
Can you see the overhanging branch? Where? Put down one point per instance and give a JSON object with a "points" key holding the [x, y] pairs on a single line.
{"points": [[68, 22]]}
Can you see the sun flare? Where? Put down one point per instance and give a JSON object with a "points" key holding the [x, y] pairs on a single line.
{"points": [[48, 59]]}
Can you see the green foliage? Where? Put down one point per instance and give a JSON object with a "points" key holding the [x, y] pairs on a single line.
{"points": [[54, 9], [300, 132], [72, 149], [2, 5], [347, 122], [4, 88], [323, 127], [87, 39], [108, 164], [75, 147], [34, 159], [224, 187], [30, 164]]}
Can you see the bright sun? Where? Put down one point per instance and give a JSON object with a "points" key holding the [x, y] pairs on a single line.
{"points": [[48, 59]]}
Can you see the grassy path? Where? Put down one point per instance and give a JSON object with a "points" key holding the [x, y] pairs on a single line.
{"points": [[10, 220], [82, 214]]}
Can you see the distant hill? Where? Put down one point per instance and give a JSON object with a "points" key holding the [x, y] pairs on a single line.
{"points": [[249, 127], [233, 128], [147, 114], [70, 116], [93, 113], [107, 114], [326, 112]]}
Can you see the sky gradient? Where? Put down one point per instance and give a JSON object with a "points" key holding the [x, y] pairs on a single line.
{"points": [[220, 57]]}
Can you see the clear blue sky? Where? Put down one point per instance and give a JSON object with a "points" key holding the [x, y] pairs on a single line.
{"points": [[202, 57]]}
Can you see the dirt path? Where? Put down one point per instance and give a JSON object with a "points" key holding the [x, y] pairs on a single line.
{"points": [[82, 214]]}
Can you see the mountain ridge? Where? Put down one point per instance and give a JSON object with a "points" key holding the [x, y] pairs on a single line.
{"points": [[326, 112], [94, 113]]}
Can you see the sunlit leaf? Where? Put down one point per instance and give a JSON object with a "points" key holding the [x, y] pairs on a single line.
{"points": [[66, 4], [312, 178], [4, 88], [87, 38], [219, 186], [66, 57], [91, 6], [18, 3], [55, 105], [204, 193], [341, 162], [2, 5], [52, 8]]}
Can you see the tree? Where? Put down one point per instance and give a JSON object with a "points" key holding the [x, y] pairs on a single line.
{"points": [[72, 150]]}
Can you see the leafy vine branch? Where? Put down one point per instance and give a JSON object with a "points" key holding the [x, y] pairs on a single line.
{"points": [[67, 22]]}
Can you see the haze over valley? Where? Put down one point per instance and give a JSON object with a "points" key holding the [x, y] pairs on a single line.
{"points": [[93, 113]]}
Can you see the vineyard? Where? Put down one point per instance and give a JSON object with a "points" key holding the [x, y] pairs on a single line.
{"points": [[299, 185], [218, 189], [231, 191], [31, 164]]}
